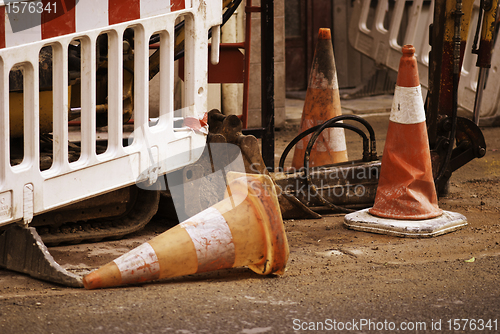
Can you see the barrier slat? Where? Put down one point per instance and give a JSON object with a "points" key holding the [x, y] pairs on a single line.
{"points": [[60, 106], [88, 99], [115, 96]]}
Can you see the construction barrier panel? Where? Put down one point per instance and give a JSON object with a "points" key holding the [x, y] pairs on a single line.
{"points": [[25, 189]]}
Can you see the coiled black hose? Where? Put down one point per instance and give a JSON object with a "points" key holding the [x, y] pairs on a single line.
{"points": [[372, 155], [369, 150]]}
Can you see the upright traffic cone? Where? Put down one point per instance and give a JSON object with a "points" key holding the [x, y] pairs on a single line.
{"points": [[244, 229], [406, 201], [322, 103]]}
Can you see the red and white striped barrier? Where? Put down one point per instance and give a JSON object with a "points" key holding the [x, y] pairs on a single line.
{"points": [[23, 22]]}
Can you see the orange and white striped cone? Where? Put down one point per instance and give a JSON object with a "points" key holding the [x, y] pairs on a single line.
{"points": [[321, 104], [406, 201], [244, 229]]}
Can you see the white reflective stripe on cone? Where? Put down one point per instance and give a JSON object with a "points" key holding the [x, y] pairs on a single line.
{"points": [[139, 264], [407, 106], [212, 240]]}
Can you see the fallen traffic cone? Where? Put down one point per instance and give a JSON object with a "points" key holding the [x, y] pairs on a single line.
{"points": [[321, 104], [406, 201], [244, 229]]}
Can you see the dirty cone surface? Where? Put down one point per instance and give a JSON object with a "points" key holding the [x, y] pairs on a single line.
{"points": [[333, 274]]}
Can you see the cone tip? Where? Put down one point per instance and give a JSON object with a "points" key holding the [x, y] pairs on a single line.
{"points": [[324, 33], [408, 69], [408, 50], [92, 281]]}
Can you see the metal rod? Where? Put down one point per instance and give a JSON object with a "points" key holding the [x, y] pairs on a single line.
{"points": [[267, 86], [479, 94]]}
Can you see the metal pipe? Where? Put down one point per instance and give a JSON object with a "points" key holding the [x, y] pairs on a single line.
{"points": [[479, 94], [267, 85]]}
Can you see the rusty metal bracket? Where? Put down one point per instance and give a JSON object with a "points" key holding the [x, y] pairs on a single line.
{"points": [[230, 127]]}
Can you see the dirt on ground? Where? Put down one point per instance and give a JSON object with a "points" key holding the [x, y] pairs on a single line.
{"points": [[333, 274]]}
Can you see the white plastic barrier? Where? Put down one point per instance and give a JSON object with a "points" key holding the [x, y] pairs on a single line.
{"points": [[381, 44], [26, 191]]}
